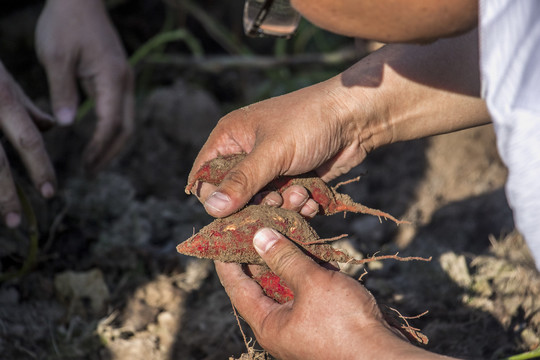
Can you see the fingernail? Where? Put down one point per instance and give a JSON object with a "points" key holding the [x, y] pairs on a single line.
{"points": [[12, 220], [271, 202], [65, 116], [310, 209], [47, 190], [218, 202], [297, 199], [264, 239]]}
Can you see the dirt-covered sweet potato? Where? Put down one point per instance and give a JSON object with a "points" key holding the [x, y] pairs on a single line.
{"points": [[329, 199]]}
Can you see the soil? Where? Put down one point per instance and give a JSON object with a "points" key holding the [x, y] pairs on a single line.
{"points": [[109, 284]]}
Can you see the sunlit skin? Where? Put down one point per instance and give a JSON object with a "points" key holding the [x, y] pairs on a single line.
{"points": [[392, 20], [398, 93]]}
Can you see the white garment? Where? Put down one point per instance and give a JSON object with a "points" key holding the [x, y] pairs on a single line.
{"points": [[510, 70]]}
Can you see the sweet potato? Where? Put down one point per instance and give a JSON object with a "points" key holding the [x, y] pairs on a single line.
{"points": [[329, 199], [230, 239]]}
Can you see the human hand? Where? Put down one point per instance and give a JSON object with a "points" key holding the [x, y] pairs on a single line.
{"points": [[19, 121], [399, 93], [315, 128], [75, 39], [332, 316]]}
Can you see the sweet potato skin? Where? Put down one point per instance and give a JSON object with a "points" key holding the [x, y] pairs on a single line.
{"points": [[230, 239]]}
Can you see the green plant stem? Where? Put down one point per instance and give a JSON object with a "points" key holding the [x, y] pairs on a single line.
{"points": [[166, 37], [146, 72], [535, 354]]}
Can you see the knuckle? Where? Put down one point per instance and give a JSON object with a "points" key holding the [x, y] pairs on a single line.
{"points": [[237, 179], [238, 288], [53, 56], [8, 201], [7, 93], [284, 258], [119, 68], [30, 140]]}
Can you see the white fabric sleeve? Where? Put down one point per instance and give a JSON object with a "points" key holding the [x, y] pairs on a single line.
{"points": [[510, 70]]}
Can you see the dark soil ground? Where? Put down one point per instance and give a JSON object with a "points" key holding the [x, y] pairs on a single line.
{"points": [[109, 284]]}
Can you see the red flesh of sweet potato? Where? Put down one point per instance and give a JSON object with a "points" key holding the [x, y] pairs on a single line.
{"points": [[273, 286]]}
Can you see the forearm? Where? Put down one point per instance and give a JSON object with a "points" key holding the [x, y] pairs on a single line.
{"points": [[405, 92], [391, 21]]}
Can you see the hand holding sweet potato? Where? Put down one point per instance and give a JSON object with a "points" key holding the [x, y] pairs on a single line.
{"points": [[331, 317]]}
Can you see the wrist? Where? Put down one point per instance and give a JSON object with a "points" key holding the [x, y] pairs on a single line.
{"points": [[385, 343], [364, 110]]}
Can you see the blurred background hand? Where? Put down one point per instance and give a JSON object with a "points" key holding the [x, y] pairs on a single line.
{"points": [[20, 122], [76, 40]]}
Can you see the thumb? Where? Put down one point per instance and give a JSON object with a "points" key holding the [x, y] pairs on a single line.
{"points": [[242, 182], [286, 259], [63, 89]]}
